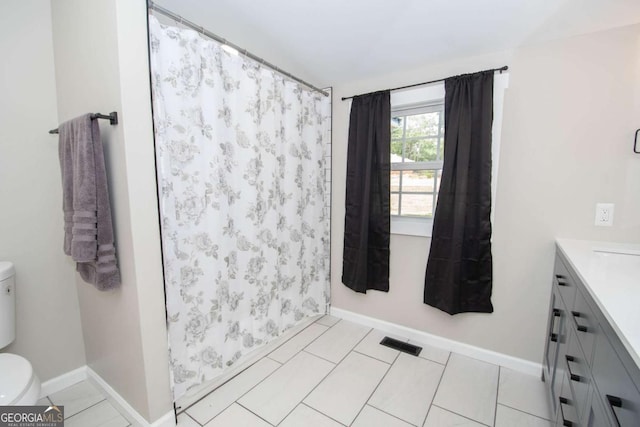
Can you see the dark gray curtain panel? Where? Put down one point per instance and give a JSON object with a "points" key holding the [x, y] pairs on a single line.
{"points": [[365, 261], [459, 268]]}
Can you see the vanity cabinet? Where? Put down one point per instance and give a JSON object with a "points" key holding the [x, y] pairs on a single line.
{"points": [[556, 338], [591, 378]]}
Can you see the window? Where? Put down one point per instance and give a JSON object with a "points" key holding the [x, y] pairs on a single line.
{"points": [[417, 149]]}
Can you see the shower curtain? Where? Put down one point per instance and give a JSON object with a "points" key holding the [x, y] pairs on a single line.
{"points": [[241, 155]]}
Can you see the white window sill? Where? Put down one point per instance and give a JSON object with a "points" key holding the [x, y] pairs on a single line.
{"points": [[407, 226]]}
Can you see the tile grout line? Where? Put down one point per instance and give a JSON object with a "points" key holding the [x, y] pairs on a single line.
{"points": [[302, 349], [298, 333], [322, 379], [331, 371], [259, 382], [265, 378], [249, 410], [315, 410], [96, 404], [194, 420], [329, 326], [448, 358], [235, 376], [513, 407], [436, 390], [289, 413], [373, 357], [339, 320], [426, 358], [366, 402], [343, 357], [433, 361], [395, 358], [241, 396], [315, 355], [464, 416], [104, 398], [495, 410], [460, 415], [184, 411], [391, 415], [389, 348], [393, 363], [524, 412]]}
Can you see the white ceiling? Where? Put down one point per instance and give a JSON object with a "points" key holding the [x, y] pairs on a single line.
{"points": [[336, 41]]}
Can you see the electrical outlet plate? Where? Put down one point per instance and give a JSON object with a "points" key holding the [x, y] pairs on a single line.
{"points": [[604, 214]]}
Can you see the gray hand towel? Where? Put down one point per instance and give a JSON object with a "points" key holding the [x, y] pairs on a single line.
{"points": [[88, 228]]}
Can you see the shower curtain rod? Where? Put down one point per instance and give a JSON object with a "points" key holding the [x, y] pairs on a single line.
{"points": [[501, 69], [153, 6]]}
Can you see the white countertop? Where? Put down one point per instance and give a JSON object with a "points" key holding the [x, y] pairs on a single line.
{"points": [[611, 274]]}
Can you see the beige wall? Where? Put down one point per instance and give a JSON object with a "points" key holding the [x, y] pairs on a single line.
{"points": [[569, 117], [101, 66], [48, 318]]}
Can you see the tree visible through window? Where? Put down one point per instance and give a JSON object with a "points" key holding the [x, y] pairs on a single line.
{"points": [[417, 150]]}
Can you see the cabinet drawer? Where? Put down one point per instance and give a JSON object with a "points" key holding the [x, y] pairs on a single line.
{"points": [[585, 325], [617, 392], [579, 374], [595, 416], [567, 411], [565, 284]]}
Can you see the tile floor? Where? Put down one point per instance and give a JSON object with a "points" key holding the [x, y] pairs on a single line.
{"points": [[335, 373], [85, 406]]}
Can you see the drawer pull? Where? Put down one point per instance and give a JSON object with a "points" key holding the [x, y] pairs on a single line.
{"points": [[579, 327], [614, 402], [565, 422], [574, 377], [556, 313], [560, 278]]}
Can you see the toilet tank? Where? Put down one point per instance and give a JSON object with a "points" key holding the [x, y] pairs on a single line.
{"points": [[7, 304]]}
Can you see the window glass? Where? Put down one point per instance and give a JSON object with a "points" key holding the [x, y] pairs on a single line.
{"points": [[417, 149]]}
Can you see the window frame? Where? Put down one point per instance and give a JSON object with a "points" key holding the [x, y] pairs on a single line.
{"points": [[411, 224]]}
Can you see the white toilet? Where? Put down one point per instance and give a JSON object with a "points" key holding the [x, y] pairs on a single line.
{"points": [[19, 385]]}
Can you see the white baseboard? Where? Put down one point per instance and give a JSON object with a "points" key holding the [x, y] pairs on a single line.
{"points": [[517, 364], [167, 420], [63, 381], [128, 411], [85, 373]]}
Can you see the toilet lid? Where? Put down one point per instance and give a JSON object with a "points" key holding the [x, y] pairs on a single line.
{"points": [[16, 373]]}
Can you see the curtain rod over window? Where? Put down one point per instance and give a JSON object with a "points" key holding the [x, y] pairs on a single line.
{"points": [[501, 69], [156, 8]]}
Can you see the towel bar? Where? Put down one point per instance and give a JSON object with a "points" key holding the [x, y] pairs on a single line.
{"points": [[112, 117]]}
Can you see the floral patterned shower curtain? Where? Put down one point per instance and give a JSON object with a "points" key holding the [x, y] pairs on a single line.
{"points": [[241, 155]]}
